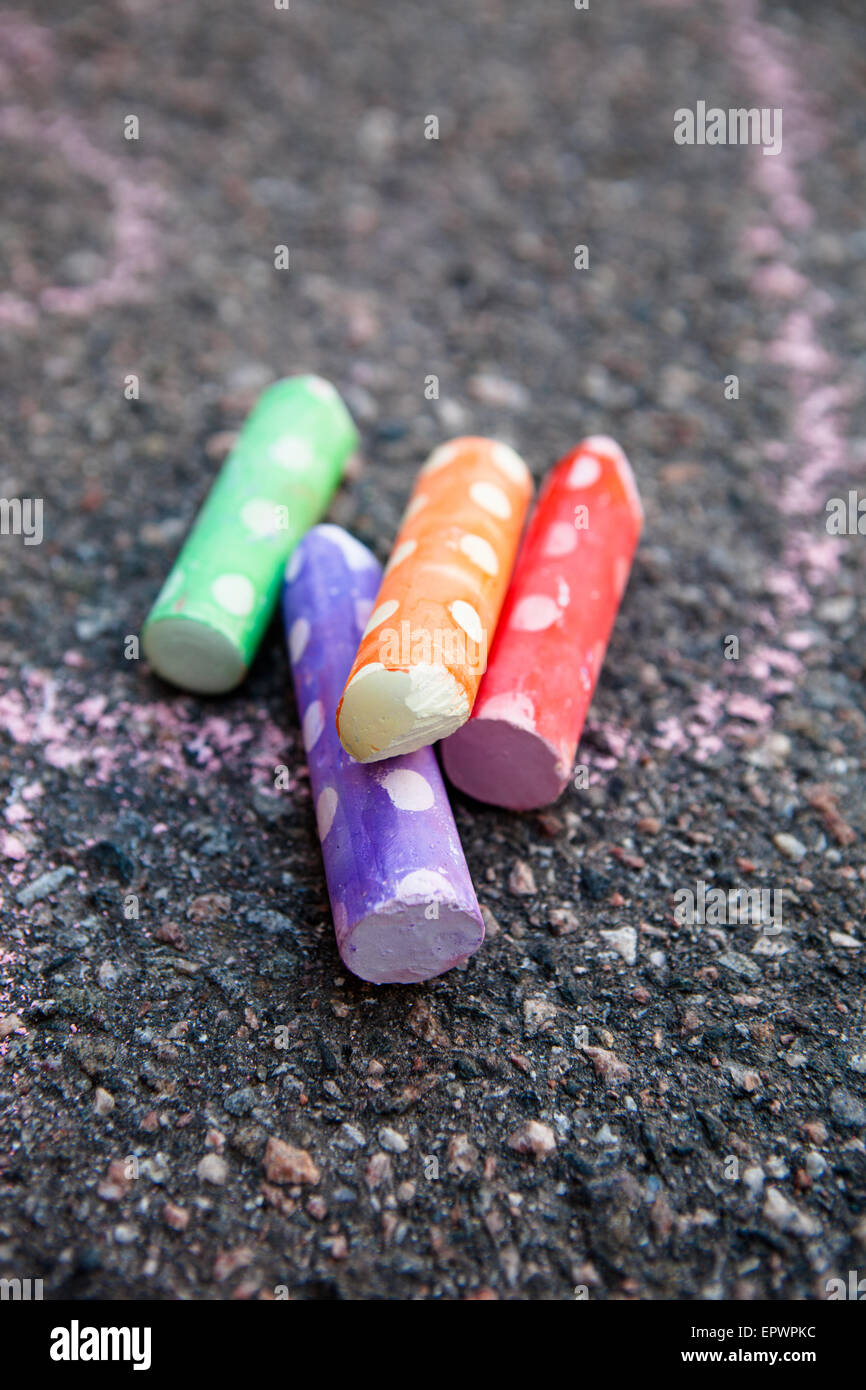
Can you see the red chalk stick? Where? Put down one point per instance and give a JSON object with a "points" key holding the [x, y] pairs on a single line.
{"points": [[518, 747]]}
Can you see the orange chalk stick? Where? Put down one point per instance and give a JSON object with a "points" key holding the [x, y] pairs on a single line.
{"points": [[424, 650]]}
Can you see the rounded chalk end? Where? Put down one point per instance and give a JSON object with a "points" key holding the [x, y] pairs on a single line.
{"points": [[501, 763], [398, 945], [193, 655], [607, 448], [384, 713]]}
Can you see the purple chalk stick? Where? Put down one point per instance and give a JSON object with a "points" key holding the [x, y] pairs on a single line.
{"points": [[403, 903]]}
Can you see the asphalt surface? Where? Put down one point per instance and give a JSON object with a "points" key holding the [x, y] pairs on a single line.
{"points": [[691, 1097]]}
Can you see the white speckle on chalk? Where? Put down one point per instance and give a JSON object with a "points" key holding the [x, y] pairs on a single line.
{"points": [[402, 552], [314, 723], [382, 613], [534, 613], [366, 670], [422, 884], [603, 444], [480, 552], [234, 593], [509, 462], [415, 505], [584, 471], [318, 386], [563, 593], [408, 790], [466, 617], [292, 453], [561, 539], [363, 609], [356, 555], [341, 917], [440, 458], [172, 586], [326, 809], [511, 706], [260, 517], [293, 568], [620, 575], [492, 499], [299, 636]]}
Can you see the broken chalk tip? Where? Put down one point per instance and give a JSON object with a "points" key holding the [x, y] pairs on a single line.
{"points": [[424, 650]]}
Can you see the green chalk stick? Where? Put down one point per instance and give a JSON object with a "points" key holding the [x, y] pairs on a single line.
{"points": [[209, 617]]}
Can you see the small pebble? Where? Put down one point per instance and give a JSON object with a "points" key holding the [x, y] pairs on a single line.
{"points": [[606, 1136], [43, 886], [846, 1109], [624, 942], [213, 1169], [521, 880], [563, 921], [815, 1131], [787, 1217], [175, 1217], [607, 1065], [392, 1140], [353, 1135], [209, 907], [228, 1262], [790, 846], [378, 1170], [816, 1164], [422, 1021], [533, 1138], [103, 1101], [538, 1016], [116, 1183], [286, 1164], [462, 1154], [753, 1178], [843, 939], [491, 389], [740, 965], [491, 925]]}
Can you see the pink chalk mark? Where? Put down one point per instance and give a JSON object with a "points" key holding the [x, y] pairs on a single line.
{"points": [[768, 60], [742, 706], [27, 50], [11, 847], [75, 732]]}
